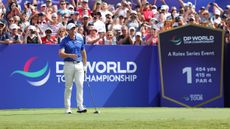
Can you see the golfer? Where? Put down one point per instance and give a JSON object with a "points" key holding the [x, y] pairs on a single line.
{"points": [[72, 49]]}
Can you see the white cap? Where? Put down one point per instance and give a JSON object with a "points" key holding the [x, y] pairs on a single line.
{"points": [[118, 4], [93, 28], [70, 26], [109, 13], [164, 7], [154, 6], [85, 1], [192, 17], [17, 18], [32, 7], [14, 26], [43, 5], [132, 28], [70, 6], [104, 3], [228, 7], [124, 1], [31, 27], [189, 3], [49, 29], [85, 16], [138, 34], [217, 12], [175, 24], [27, 2], [133, 12], [54, 15]]}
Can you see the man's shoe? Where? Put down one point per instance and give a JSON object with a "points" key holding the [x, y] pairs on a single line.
{"points": [[68, 111], [82, 110]]}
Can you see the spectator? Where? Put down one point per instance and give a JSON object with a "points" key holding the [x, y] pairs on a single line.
{"points": [[74, 18], [70, 8], [63, 8], [54, 24], [43, 8], [167, 24], [122, 10], [152, 36], [115, 25], [132, 32], [109, 38], [97, 6], [27, 9], [65, 19], [133, 20], [205, 19], [148, 14], [108, 21], [86, 23], [104, 10], [14, 35], [4, 35], [13, 10], [49, 3], [192, 20], [124, 38], [138, 39], [32, 36], [17, 20], [55, 9], [84, 6], [98, 23], [11, 21], [61, 34], [94, 38], [49, 38], [2, 8], [24, 22]]}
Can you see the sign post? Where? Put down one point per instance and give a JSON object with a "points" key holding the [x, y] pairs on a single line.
{"points": [[191, 67]]}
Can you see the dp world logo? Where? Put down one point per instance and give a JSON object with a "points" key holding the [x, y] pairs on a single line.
{"points": [[176, 41], [38, 75]]}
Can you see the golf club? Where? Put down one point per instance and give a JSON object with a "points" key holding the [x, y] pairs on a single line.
{"points": [[91, 97]]}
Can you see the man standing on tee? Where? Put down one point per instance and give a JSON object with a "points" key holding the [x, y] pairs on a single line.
{"points": [[72, 49]]}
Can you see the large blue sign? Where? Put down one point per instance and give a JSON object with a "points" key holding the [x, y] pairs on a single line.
{"points": [[192, 67], [32, 76]]}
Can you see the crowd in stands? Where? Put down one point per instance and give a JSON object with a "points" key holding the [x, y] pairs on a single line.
{"points": [[104, 24]]}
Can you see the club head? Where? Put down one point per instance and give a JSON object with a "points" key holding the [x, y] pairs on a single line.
{"points": [[97, 112]]}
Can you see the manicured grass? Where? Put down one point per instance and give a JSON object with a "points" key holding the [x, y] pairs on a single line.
{"points": [[117, 118]]}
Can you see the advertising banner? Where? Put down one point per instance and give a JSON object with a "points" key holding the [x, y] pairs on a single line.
{"points": [[191, 64], [119, 76]]}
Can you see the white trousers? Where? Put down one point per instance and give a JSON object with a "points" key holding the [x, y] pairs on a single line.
{"points": [[73, 72]]}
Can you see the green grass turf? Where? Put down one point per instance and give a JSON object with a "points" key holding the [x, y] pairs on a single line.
{"points": [[117, 118]]}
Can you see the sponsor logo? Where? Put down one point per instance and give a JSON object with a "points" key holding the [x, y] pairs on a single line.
{"points": [[35, 74], [198, 39], [194, 97], [175, 40], [192, 40], [109, 71]]}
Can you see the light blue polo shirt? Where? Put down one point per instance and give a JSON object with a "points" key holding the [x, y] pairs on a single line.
{"points": [[73, 46]]}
